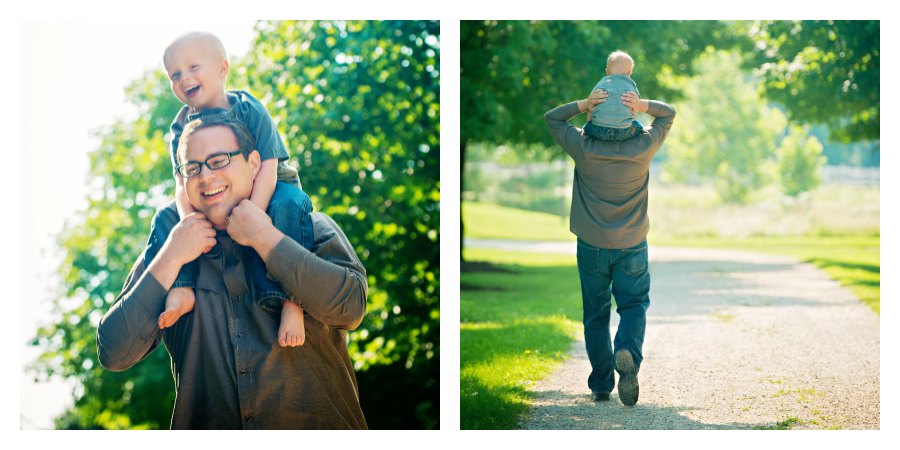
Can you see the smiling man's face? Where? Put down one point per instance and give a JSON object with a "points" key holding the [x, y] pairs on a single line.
{"points": [[216, 192]]}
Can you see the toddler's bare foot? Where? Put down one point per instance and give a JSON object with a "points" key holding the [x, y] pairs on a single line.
{"points": [[291, 332], [179, 302]]}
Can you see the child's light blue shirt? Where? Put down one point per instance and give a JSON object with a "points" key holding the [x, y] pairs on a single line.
{"points": [[613, 113]]}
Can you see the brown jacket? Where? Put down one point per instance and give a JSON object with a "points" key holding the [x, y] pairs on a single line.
{"points": [[609, 193], [230, 372]]}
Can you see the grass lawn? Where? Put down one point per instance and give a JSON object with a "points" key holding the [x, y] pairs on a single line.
{"points": [[486, 221], [518, 317], [851, 258]]}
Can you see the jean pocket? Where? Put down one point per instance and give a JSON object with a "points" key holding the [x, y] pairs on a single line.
{"points": [[635, 262]]}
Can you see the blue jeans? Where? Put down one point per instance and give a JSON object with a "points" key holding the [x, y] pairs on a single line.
{"points": [[625, 271], [289, 209], [613, 134]]}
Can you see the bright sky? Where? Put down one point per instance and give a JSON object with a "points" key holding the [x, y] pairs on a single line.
{"points": [[73, 76]]}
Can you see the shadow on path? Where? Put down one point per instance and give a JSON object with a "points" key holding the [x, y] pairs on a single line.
{"points": [[579, 412]]}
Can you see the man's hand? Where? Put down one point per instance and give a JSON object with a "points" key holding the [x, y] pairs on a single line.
{"points": [[249, 225], [597, 97], [634, 102], [192, 236]]}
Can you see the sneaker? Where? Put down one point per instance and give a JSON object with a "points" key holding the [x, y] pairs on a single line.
{"points": [[600, 396], [628, 382]]}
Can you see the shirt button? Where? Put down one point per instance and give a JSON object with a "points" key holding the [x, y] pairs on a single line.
{"points": [[250, 419], [235, 297], [243, 372]]}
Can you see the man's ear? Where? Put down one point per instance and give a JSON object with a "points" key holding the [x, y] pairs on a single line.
{"points": [[255, 163]]}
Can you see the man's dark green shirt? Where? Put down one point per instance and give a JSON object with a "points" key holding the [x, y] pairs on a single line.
{"points": [[230, 372]]}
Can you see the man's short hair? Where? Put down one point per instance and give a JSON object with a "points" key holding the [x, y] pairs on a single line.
{"points": [[225, 119]]}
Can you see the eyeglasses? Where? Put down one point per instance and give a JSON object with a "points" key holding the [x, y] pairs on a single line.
{"points": [[214, 162]]}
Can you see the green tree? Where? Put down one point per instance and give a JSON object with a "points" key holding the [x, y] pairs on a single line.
{"points": [[800, 162], [129, 174], [823, 71], [732, 131], [514, 71], [358, 104]]}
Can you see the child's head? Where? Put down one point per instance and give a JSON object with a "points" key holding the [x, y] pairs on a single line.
{"points": [[619, 63], [197, 67]]}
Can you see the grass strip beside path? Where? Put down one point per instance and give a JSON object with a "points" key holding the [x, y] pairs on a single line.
{"points": [[519, 314]]}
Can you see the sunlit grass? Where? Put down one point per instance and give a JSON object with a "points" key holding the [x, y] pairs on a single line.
{"points": [[486, 221], [519, 315]]}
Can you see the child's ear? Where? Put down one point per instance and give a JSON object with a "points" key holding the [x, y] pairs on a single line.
{"points": [[224, 69]]}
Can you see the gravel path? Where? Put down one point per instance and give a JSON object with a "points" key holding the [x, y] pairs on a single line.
{"points": [[734, 340]]}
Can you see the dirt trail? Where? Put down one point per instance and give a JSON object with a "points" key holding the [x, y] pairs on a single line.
{"points": [[734, 340]]}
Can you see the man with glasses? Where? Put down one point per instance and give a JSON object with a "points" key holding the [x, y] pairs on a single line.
{"points": [[230, 371]]}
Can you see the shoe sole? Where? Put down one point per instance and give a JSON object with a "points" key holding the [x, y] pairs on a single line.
{"points": [[628, 382]]}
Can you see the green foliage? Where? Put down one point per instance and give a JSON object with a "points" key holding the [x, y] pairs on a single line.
{"points": [[129, 173], [823, 71], [728, 130], [800, 162], [514, 71], [358, 104]]}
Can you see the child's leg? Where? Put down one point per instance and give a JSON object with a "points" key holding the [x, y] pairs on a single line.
{"points": [[179, 302], [291, 332], [624, 134], [180, 298], [160, 226], [289, 210], [595, 131]]}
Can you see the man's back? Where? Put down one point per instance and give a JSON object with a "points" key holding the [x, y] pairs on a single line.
{"points": [[609, 194]]}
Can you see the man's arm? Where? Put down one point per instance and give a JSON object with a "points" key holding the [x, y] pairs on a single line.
{"points": [[557, 119], [129, 330], [330, 283], [663, 114]]}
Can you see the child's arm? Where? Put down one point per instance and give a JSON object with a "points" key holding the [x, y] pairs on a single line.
{"points": [[264, 184]]}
